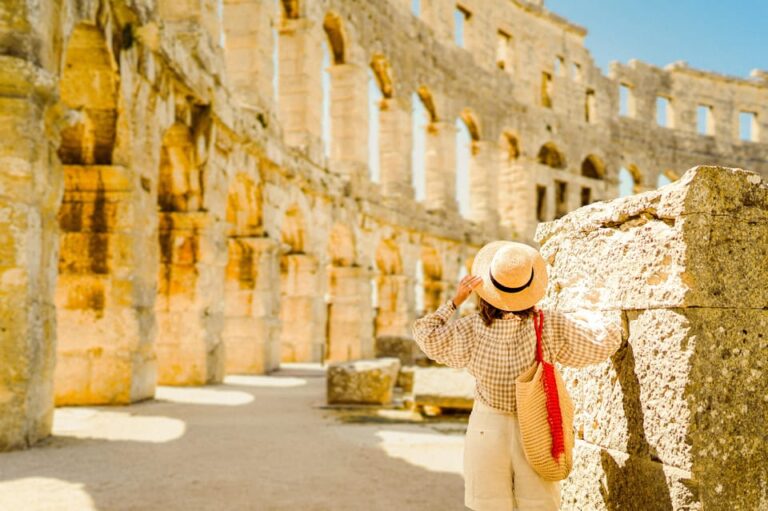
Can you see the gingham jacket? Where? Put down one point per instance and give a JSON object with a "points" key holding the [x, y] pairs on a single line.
{"points": [[498, 354]]}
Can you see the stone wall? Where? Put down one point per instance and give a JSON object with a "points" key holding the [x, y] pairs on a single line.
{"points": [[176, 155], [676, 418]]}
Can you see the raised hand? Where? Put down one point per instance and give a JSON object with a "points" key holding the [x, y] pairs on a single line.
{"points": [[465, 287]]}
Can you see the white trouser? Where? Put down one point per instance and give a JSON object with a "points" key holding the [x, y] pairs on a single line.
{"points": [[497, 477]]}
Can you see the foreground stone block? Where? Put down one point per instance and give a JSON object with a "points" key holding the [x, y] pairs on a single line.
{"points": [[676, 419], [362, 381], [443, 387]]}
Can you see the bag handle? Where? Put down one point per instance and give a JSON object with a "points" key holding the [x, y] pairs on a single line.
{"points": [[538, 325]]}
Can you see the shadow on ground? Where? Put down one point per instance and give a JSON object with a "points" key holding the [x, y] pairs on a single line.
{"points": [[253, 443]]}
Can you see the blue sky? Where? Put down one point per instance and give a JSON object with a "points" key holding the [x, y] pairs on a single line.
{"points": [[729, 37]]}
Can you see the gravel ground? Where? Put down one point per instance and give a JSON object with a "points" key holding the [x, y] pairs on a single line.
{"points": [[254, 443]]}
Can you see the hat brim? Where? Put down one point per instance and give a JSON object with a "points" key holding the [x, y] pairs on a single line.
{"points": [[509, 301]]}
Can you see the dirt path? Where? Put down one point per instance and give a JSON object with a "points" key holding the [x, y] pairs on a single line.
{"points": [[253, 443]]}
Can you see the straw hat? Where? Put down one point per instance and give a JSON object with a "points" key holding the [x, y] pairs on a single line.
{"points": [[514, 275]]}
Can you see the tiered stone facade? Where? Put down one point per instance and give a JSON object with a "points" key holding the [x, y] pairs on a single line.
{"points": [[171, 209]]}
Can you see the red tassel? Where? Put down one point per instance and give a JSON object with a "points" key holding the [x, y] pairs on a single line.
{"points": [[554, 416]]}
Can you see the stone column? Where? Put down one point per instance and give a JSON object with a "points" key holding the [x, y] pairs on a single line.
{"points": [[676, 417], [434, 294], [483, 183], [394, 316], [189, 347], [31, 184], [441, 167], [395, 149], [349, 119], [350, 316], [251, 327], [300, 90], [517, 200], [302, 309], [104, 310], [249, 49]]}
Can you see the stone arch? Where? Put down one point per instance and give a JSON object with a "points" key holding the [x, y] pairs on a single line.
{"points": [[293, 230], [383, 74], [89, 87], [429, 103], [630, 180], [593, 167], [179, 185], [473, 125], [244, 206], [290, 9], [336, 40], [510, 145], [551, 156]]}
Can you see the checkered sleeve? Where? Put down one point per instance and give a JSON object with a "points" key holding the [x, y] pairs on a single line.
{"points": [[444, 341], [585, 337]]}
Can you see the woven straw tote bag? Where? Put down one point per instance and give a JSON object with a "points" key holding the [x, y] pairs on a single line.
{"points": [[545, 415]]}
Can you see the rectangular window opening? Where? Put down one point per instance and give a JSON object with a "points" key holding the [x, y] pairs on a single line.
{"points": [[589, 106], [663, 111], [748, 126], [586, 196], [546, 90], [626, 100], [541, 203], [460, 18], [503, 42], [416, 7], [576, 70], [560, 65], [561, 198], [705, 121]]}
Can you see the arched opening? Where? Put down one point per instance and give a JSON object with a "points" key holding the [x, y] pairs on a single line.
{"points": [[666, 177], [593, 167], [382, 73], [467, 135], [179, 187], [420, 119], [89, 85], [375, 98], [630, 180], [290, 9], [551, 156], [333, 30], [510, 145]]}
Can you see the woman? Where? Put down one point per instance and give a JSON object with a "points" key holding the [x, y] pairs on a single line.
{"points": [[496, 344]]}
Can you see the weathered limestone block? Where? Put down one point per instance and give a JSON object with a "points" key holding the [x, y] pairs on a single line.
{"points": [[350, 316], [404, 348], [30, 193], [251, 330], [678, 413], [189, 347], [443, 387], [405, 379], [104, 324], [394, 315], [302, 310], [683, 245], [362, 381]]}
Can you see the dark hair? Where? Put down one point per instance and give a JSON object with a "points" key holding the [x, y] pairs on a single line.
{"points": [[488, 312]]}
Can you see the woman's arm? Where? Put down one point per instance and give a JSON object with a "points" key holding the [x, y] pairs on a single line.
{"points": [[585, 337], [450, 343], [447, 342]]}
